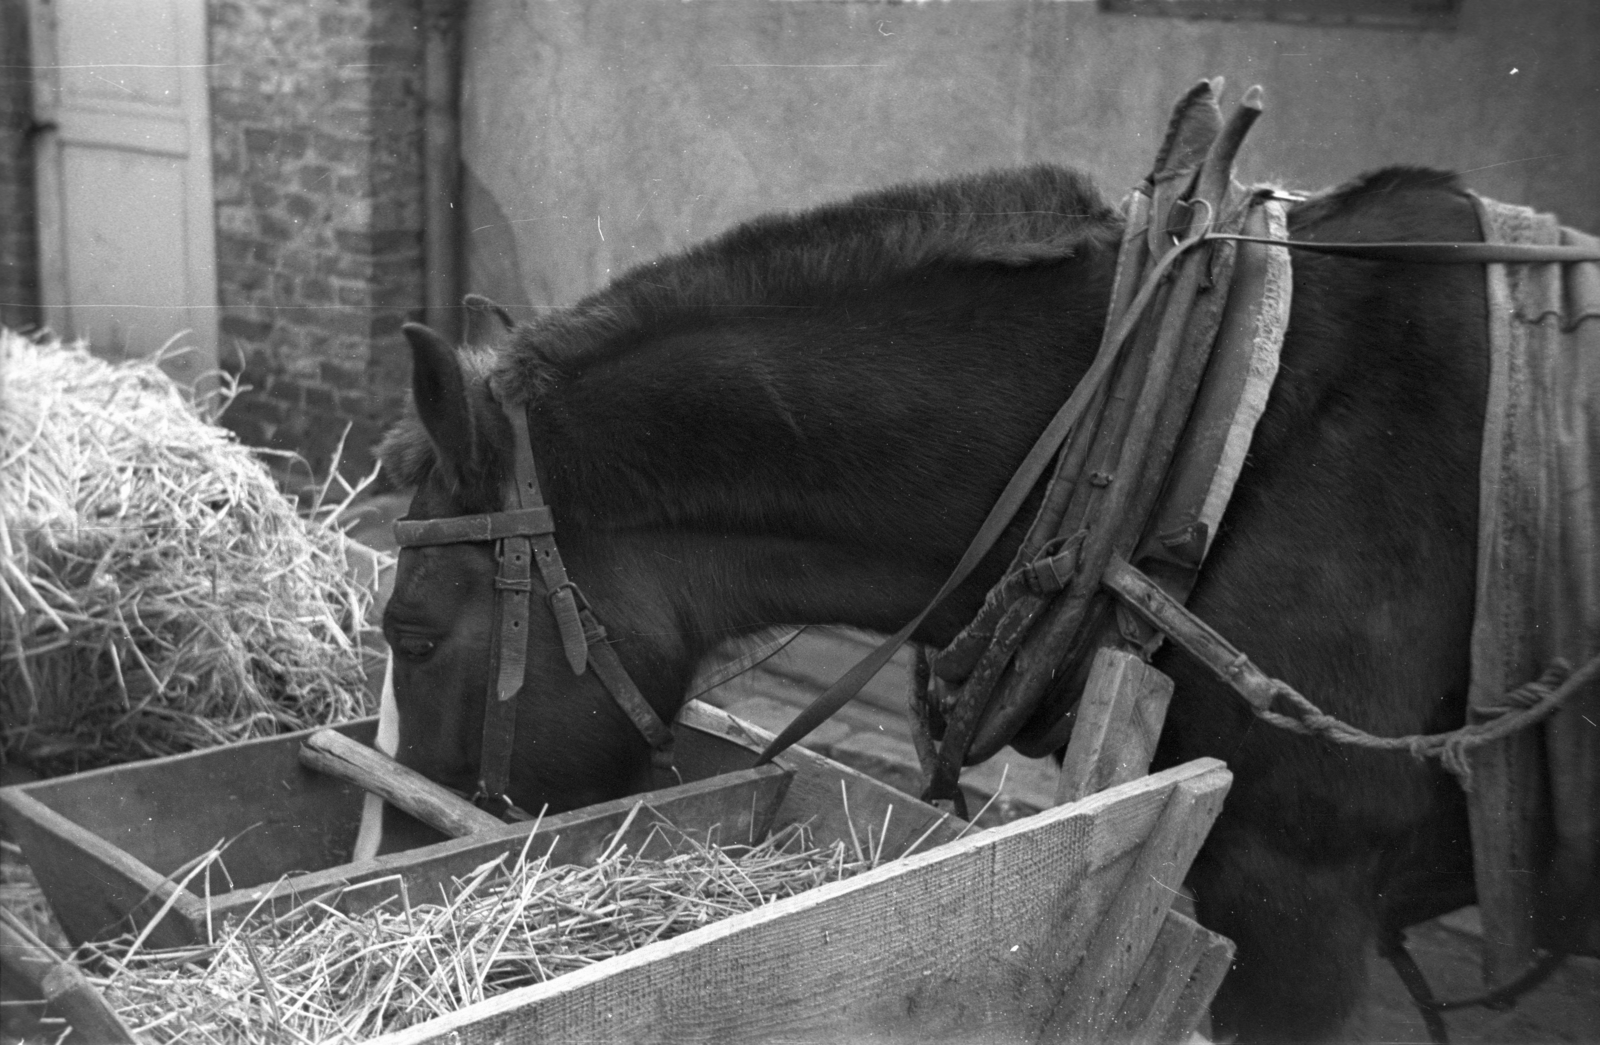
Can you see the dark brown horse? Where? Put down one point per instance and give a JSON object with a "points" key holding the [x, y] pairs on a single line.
{"points": [[805, 421]]}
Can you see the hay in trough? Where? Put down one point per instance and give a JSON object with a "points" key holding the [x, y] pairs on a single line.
{"points": [[319, 974], [158, 593]]}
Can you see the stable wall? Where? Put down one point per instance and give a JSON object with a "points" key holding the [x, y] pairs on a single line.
{"points": [[601, 133], [317, 148]]}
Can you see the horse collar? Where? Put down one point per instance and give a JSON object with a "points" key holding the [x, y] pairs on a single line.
{"points": [[524, 535]]}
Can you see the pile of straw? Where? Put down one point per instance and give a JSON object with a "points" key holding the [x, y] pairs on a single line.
{"points": [[318, 974], [158, 593]]}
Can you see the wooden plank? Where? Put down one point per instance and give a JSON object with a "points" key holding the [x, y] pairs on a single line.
{"points": [[1572, 745], [330, 752], [1154, 992], [1195, 1000], [1097, 989], [1505, 807], [814, 793], [279, 816], [1161, 1007], [741, 805], [92, 885], [953, 944], [1118, 722]]}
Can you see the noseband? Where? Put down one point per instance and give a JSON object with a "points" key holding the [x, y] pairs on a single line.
{"points": [[524, 534]]}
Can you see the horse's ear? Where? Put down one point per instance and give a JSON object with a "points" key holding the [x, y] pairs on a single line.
{"points": [[440, 392]]}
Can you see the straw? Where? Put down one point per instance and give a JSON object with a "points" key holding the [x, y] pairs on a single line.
{"points": [[158, 593], [332, 974]]}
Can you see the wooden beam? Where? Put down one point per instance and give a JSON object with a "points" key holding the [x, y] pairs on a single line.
{"points": [[338, 756], [1118, 723], [59, 982]]}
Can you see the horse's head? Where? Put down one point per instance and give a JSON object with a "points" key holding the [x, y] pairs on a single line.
{"points": [[574, 745]]}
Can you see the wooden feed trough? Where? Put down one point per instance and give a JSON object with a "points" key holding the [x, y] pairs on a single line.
{"points": [[1054, 927]]}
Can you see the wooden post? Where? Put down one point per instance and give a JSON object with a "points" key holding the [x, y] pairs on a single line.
{"points": [[1119, 720], [1505, 806]]}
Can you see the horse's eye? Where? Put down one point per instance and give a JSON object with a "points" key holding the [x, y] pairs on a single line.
{"points": [[414, 647]]}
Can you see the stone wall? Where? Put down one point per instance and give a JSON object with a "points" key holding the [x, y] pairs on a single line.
{"points": [[19, 249], [316, 121]]}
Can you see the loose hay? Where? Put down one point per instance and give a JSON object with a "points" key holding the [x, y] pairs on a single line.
{"points": [[158, 593], [321, 975]]}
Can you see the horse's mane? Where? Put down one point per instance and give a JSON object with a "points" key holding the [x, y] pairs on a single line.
{"points": [[1026, 216], [1033, 215]]}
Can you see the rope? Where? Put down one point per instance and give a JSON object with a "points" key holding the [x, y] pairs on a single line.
{"points": [[1530, 703]]}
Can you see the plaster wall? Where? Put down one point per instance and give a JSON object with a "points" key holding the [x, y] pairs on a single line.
{"points": [[600, 133]]}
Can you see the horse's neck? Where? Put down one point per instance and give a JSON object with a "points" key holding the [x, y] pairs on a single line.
{"points": [[828, 468]]}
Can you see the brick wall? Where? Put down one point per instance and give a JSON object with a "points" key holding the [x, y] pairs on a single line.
{"points": [[19, 272], [316, 122]]}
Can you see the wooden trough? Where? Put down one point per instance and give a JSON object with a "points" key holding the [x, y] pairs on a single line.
{"points": [[1054, 927]]}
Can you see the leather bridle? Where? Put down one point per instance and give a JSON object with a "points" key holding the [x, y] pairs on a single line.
{"points": [[524, 536]]}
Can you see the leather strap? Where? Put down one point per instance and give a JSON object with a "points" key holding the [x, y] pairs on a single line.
{"points": [[1436, 253], [513, 584], [560, 592], [472, 529], [609, 670]]}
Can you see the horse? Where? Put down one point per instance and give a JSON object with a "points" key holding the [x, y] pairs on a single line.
{"points": [[806, 419]]}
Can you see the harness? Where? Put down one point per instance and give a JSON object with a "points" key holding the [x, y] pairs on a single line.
{"points": [[1140, 477], [524, 535]]}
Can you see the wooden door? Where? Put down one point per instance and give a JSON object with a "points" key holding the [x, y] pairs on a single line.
{"points": [[127, 242]]}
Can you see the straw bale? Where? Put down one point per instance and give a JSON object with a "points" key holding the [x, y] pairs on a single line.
{"points": [[158, 593]]}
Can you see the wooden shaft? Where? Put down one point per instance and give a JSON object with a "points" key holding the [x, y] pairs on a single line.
{"points": [[60, 983], [337, 755], [1195, 636]]}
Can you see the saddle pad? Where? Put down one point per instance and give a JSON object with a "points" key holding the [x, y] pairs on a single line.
{"points": [[1538, 595]]}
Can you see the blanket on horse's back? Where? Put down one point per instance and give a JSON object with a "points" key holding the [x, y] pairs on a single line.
{"points": [[1538, 588]]}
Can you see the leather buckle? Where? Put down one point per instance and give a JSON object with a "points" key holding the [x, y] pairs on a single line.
{"points": [[1053, 569]]}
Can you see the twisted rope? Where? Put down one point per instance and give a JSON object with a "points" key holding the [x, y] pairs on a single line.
{"points": [[1528, 704]]}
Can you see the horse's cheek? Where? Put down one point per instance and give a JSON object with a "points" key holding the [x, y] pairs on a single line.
{"points": [[436, 718]]}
